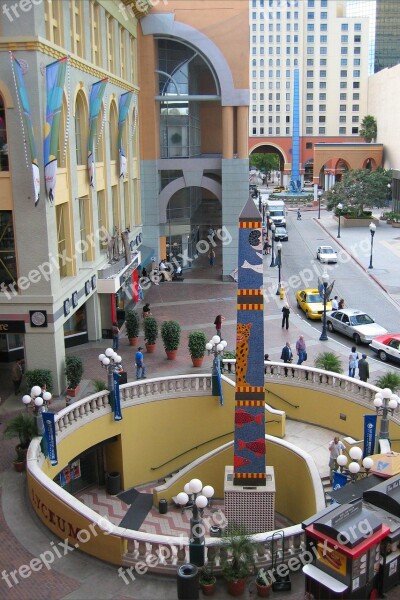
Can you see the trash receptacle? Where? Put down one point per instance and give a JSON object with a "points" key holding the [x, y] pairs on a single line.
{"points": [[113, 483], [188, 582], [123, 377], [163, 507]]}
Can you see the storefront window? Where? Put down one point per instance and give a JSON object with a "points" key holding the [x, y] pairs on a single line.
{"points": [[3, 138], [8, 261], [76, 324]]}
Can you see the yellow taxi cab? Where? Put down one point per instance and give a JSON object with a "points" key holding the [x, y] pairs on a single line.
{"points": [[311, 303], [278, 189]]}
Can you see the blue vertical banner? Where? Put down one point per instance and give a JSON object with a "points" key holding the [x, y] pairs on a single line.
{"points": [[50, 437], [124, 104], [218, 371], [117, 398], [295, 181], [95, 100], [369, 434]]}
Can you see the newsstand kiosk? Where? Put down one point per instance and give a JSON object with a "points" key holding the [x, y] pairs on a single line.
{"points": [[345, 543]]}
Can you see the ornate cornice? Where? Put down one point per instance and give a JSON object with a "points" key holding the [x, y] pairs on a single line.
{"points": [[44, 47]]}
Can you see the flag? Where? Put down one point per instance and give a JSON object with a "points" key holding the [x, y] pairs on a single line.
{"points": [[124, 103], [369, 434], [27, 124], [117, 399], [329, 290], [50, 437], [96, 97]]}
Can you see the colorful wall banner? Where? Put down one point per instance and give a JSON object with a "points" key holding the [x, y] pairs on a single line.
{"points": [[27, 124], [55, 79], [124, 104], [50, 437], [217, 364], [369, 434], [96, 98], [117, 398]]}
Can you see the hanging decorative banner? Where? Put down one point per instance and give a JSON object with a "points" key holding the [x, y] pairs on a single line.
{"points": [[369, 434], [96, 97], [124, 104], [26, 123], [117, 399], [55, 78], [50, 437]]}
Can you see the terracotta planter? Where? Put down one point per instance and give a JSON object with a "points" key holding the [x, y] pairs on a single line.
{"points": [[133, 341], [236, 587], [72, 392], [19, 465], [197, 362], [396, 224], [263, 590], [171, 354], [208, 589], [150, 348]]}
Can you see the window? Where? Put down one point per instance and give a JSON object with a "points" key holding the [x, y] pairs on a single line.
{"points": [[356, 73], [287, 96], [344, 39], [122, 51], [309, 107], [278, 119], [324, 15], [270, 130], [310, 15], [287, 119], [309, 119], [345, 27], [321, 119], [355, 119], [324, 3], [357, 39], [102, 218], [322, 85], [310, 4], [356, 96], [342, 107], [344, 50], [343, 62], [322, 73], [323, 39], [254, 39], [343, 96], [80, 129], [357, 50], [354, 130], [310, 39], [110, 43], [53, 21], [310, 50], [262, 96], [309, 97], [76, 8], [357, 26], [321, 130], [343, 85], [61, 223], [278, 130], [254, 130], [355, 108], [254, 27], [322, 62], [322, 108], [356, 85], [343, 73], [254, 97], [308, 145], [254, 120], [261, 130], [342, 130], [115, 207], [310, 62], [322, 96], [83, 226], [310, 73], [310, 26], [3, 142], [342, 119], [261, 119], [309, 130], [323, 50], [310, 85], [113, 132]]}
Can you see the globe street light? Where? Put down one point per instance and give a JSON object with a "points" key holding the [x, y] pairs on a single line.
{"points": [[216, 346], [325, 279], [385, 404], [372, 228], [272, 249], [110, 360], [355, 467], [197, 498], [38, 400], [319, 203], [339, 209], [279, 263]]}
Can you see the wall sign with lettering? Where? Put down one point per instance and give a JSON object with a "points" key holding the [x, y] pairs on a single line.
{"points": [[93, 281], [12, 326], [88, 287], [75, 299], [67, 307], [38, 318]]}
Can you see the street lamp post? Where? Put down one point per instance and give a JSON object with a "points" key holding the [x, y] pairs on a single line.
{"points": [[215, 346], [110, 361], [339, 208], [372, 228], [279, 263], [325, 279], [355, 467], [259, 203], [198, 498], [385, 404], [267, 214], [38, 401], [319, 203], [273, 264]]}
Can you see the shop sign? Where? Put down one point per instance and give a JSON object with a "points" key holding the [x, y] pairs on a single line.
{"points": [[12, 326], [38, 318], [75, 299]]}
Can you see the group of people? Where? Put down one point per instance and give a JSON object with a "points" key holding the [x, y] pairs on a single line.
{"points": [[337, 304], [301, 351], [361, 363]]}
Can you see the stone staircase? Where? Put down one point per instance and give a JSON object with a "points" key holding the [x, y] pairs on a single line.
{"points": [[327, 486]]}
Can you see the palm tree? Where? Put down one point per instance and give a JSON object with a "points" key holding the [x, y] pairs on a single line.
{"points": [[368, 129], [390, 380], [328, 361]]}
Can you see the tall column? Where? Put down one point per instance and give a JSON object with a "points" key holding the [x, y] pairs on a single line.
{"points": [[242, 121], [227, 132]]}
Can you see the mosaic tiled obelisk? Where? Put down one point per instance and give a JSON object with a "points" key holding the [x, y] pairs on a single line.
{"points": [[249, 450]]}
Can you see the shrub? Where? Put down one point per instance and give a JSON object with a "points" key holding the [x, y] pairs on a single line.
{"points": [[39, 377], [329, 361], [389, 380], [23, 427], [132, 322], [150, 327], [197, 344], [73, 371], [99, 385], [171, 335]]}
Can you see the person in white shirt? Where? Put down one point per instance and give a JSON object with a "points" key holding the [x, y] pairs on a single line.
{"points": [[335, 303], [336, 448]]}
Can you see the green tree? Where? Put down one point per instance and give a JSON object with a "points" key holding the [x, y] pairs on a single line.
{"points": [[369, 128], [265, 162], [359, 189]]}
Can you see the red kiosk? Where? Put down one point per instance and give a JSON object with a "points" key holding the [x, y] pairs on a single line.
{"points": [[345, 542]]}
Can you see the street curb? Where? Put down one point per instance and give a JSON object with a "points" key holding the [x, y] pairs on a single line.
{"points": [[354, 258]]}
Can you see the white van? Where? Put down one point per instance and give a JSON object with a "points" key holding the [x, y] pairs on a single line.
{"points": [[277, 212]]}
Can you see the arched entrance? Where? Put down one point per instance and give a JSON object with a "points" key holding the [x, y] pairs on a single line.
{"points": [[270, 160]]}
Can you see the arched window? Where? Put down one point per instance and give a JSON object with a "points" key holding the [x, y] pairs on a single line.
{"points": [[80, 129], [113, 132], [3, 137]]}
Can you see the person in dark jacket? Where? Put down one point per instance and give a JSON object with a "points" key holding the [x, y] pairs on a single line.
{"points": [[363, 368], [287, 356], [285, 316]]}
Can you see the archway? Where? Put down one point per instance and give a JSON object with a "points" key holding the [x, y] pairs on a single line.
{"points": [[270, 161]]}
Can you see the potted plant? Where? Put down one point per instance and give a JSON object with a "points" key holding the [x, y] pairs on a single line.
{"points": [[171, 336], [239, 559], [207, 580], [132, 322], [39, 377], [150, 327], [23, 427], [73, 372], [197, 347], [263, 584]]}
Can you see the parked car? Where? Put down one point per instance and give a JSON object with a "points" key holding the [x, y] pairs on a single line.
{"points": [[326, 254], [311, 303], [355, 324], [281, 234], [387, 347], [278, 189]]}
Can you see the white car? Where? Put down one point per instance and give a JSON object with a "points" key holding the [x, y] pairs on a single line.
{"points": [[387, 347], [355, 324], [326, 254]]}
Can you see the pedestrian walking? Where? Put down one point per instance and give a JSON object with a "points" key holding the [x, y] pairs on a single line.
{"points": [[301, 350], [285, 316], [16, 375], [287, 356], [218, 324], [335, 303], [353, 361], [341, 304], [146, 310], [211, 257], [140, 368], [336, 448], [363, 368], [298, 214], [115, 334]]}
